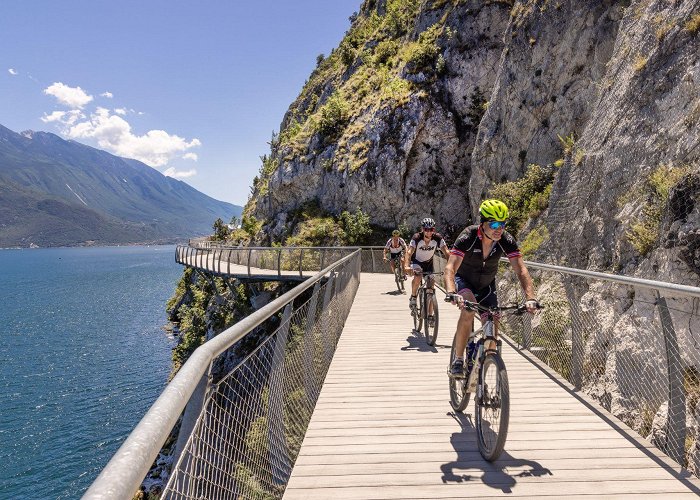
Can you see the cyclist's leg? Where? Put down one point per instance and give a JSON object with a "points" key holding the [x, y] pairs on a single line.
{"points": [[428, 268], [465, 323], [487, 297], [416, 278]]}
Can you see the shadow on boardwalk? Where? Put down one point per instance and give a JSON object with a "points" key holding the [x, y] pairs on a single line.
{"points": [[492, 474]]}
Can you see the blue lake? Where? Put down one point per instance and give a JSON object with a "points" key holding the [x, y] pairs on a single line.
{"points": [[83, 355]]}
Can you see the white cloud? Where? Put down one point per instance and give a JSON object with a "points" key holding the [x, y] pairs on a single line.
{"points": [[190, 156], [120, 111], [12, 71], [113, 133], [171, 172], [108, 95], [63, 117], [73, 97]]}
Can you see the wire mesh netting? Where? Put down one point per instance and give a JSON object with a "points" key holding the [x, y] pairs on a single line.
{"points": [[635, 350], [255, 414]]}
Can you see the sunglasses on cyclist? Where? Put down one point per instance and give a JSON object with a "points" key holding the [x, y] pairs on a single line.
{"points": [[495, 225], [428, 229]]}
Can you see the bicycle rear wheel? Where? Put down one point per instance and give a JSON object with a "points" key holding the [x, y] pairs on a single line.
{"points": [[397, 276], [492, 407], [431, 331], [459, 397]]}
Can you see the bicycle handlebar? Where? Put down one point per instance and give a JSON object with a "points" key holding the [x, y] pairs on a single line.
{"points": [[517, 309]]}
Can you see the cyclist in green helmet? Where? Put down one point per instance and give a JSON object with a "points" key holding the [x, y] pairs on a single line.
{"points": [[471, 270]]}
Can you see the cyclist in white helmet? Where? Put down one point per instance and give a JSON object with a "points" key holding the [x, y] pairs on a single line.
{"points": [[419, 257], [393, 249]]}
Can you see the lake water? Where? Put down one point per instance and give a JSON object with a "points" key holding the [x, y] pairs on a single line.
{"points": [[82, 357]]}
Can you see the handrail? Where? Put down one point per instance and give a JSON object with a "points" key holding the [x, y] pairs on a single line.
{"points": [[122, 476], [691, 291]]}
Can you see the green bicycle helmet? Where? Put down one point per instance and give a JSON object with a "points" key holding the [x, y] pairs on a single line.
{"points": [[493, 210], [395, 232]]}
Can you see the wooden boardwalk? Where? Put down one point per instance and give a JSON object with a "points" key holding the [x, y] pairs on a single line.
{"points": [[383, 426]]}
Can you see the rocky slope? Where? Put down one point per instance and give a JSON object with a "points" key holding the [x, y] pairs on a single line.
{"points": [[428, 106]]}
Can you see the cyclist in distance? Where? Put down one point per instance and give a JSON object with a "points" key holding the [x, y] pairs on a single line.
{"points": [[393, 249], [419, 256], [472, 267]]}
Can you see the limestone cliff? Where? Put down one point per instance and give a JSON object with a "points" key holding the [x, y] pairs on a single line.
{"points": [[428, 106]]}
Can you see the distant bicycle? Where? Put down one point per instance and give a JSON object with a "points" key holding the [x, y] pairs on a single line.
{"points": [[487, 377], [421, 318], [399, 276]]}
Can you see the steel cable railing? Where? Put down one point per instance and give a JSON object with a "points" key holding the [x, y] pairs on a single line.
{"points": [[264, 262], [244, 419], [632, 345]]}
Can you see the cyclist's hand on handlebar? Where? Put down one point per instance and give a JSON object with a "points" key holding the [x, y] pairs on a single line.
{"points": [[532, 305], [455, 298]]}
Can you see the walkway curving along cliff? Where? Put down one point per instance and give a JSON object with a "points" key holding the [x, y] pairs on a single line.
{"points": [[343, 400]]}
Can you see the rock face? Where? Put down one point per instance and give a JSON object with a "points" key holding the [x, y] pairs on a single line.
{"points": [[423, 113]]}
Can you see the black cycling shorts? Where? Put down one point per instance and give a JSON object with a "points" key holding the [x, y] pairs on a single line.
{"points": [[486, 296], [426, 266]]}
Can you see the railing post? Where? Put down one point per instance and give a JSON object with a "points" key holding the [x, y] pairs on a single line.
{"points": [[250, 252], [527, 332], [301, 260], [279, 455], [371, 252], [576, 335], [323, 255], [310, 347], [279, 262], [326, 316], [675, 425], [192, 412]]}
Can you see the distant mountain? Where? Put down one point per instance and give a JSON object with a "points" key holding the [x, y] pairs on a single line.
{"points": [[55, 192]]}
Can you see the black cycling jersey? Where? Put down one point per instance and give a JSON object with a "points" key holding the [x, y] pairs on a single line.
{"points": [[477, 271]]}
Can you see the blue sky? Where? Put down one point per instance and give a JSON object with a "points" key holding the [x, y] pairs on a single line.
{"points": [[193, 88]]}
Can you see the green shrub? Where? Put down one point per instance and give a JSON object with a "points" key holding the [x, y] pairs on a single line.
{"points": [[534, 240], [421, 55], [643, 232], [693, 24], [356, 226], [526, 197], [334, 117], [384, 52], [221, 230]]}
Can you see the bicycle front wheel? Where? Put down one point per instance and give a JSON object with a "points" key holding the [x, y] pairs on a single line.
{"points": [[420, 312], [492, 407], [459, 397], [431, 331], [397, 277]]}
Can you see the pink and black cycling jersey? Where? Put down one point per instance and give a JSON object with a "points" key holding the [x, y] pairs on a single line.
{"points": [[479, 272]]}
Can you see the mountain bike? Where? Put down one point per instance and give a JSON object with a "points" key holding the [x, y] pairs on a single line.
{"points": [[399, 276], [487, 378], [425, 296]]}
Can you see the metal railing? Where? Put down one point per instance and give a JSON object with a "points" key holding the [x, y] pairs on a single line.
{"points": [[264, 262], [244, 420], [631, 344]]}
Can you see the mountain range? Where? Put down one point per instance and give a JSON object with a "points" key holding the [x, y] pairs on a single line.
{"points": [[56, 192]]}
